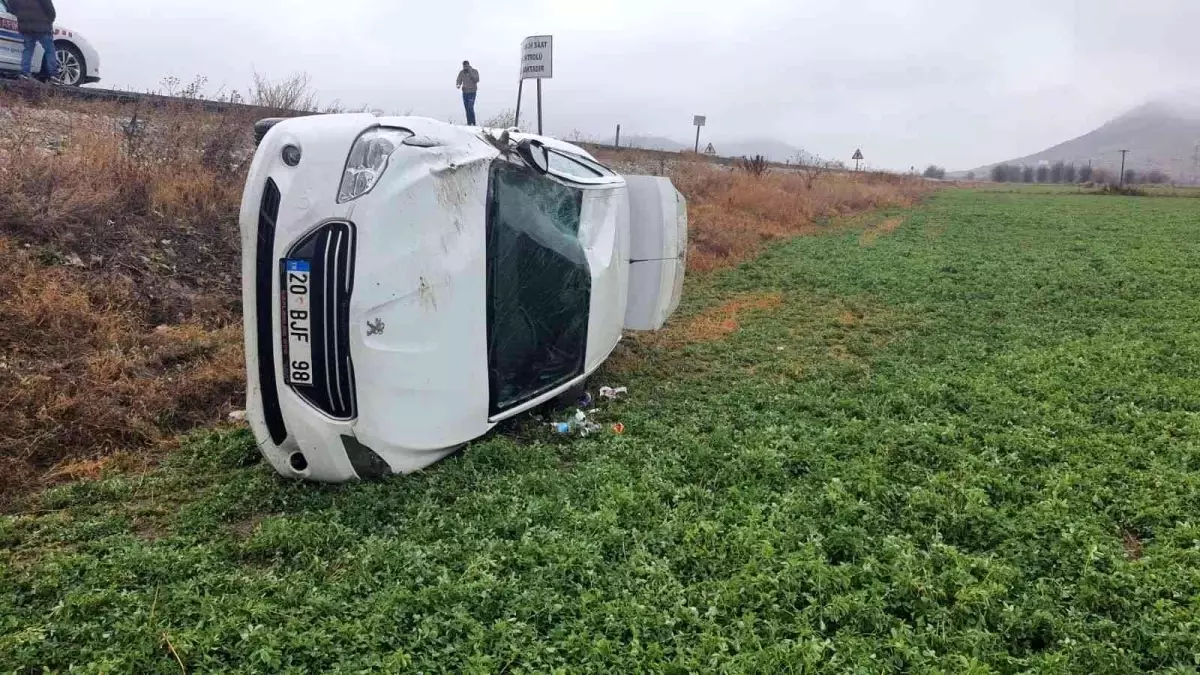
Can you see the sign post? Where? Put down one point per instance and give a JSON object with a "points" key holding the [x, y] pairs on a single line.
{"points": [[699, 121], [537, 63], [858, 157]]}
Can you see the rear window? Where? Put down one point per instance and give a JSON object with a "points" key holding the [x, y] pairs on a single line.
{"points": [[539, 285]]}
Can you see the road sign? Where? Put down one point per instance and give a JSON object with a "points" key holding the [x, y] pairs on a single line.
{"points": [[699, 120], [710, 150], [537, 57], [857, 155]]}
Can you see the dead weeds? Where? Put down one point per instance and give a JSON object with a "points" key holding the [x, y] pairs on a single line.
{"points": [[883, 228]]}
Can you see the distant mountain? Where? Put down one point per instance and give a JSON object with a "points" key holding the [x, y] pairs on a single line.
{"points": [[1158, 135], [653, 143], [776, 151]]}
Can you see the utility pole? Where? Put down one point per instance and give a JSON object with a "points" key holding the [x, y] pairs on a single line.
{"points": [[1122, 183]]}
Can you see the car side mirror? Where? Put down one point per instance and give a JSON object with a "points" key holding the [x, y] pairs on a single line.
{"points": [[535, 155]]}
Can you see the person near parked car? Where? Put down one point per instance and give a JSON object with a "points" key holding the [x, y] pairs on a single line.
{"points": [[468, 81], [35, 21]]}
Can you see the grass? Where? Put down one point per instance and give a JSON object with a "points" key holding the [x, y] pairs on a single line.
{"points": [[966, 445]]}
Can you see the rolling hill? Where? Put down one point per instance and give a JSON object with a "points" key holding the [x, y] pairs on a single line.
{"points": [[1158, 135], [774, 150]]}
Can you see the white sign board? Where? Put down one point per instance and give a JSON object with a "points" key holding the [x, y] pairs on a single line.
{"points": [[537, 57], [699, 120]]}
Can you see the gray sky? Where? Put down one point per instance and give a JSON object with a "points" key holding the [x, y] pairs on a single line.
{"points": [[954, 82]]}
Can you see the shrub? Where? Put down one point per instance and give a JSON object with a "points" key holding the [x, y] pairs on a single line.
{"points": [[756, 166], [934, 171], [293, 93]]}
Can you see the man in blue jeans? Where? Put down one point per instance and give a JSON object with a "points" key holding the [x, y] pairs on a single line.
{"points": [[468, 81], [35, 21]]}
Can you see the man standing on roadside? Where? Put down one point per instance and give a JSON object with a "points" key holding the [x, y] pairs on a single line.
{"points": [[35, 21], [468, 81]]}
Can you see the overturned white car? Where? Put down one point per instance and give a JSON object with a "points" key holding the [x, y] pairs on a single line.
{"points": [[408, 284]]}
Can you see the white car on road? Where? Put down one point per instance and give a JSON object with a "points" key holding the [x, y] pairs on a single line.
{"points": [[78, 61]]}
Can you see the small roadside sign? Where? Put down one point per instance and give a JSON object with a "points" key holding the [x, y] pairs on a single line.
{"points": [[857, 155], [699, 120], [537, 57]]}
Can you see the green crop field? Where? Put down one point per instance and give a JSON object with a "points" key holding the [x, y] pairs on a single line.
{"points": [[961, 438]]}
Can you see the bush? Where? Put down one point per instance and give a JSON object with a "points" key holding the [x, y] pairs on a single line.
{"points": [[934, 171], [1069, 174], [293, 93], [756, 166], [1042, 174], [1085, 174]]}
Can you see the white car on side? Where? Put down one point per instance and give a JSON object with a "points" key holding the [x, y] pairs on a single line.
{"points": [[79, 63], [408, 284]]}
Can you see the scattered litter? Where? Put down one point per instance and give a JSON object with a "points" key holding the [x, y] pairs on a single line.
{"points": [[75, 261], [586, 400], [237, 416], [618, 428], [611, 394]]}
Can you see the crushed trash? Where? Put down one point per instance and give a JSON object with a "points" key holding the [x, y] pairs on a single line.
{"points": [[611, 394], [237, 416], [582, 422]]}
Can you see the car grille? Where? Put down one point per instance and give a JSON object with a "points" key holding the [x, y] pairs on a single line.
{"points": [[264, 274], [330, 248]]}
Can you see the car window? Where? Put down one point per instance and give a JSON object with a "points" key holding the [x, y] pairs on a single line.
{"points": [[579, 168], [4, 7], [538, 284], [568, 166]]}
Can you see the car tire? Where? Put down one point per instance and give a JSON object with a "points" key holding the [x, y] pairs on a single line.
{"points": [[72, 69]]}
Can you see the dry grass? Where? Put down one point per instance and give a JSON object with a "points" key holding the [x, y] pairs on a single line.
{"points": [[718, 322], [733, 216], [882, 228], [119, 284]]}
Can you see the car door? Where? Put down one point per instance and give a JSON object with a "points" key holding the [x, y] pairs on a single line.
{"points": [[11, 43]]}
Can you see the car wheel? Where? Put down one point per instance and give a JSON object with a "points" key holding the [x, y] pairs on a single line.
{"points": [[71, 68]]}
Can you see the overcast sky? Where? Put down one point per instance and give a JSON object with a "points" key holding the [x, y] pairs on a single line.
{"points": [[954, 82]]}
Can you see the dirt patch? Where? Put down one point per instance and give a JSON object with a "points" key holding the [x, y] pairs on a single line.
{"points": [[718, 322], [883, 228], [1132, 544]]}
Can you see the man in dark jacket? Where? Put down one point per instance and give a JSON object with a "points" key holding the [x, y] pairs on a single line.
{"points": [[35, 20]]}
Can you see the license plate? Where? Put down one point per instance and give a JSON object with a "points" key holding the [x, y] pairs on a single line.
{"points": [[297, 323]]}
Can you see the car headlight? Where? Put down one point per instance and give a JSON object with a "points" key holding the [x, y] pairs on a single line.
{"points": [[368, 160]]}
